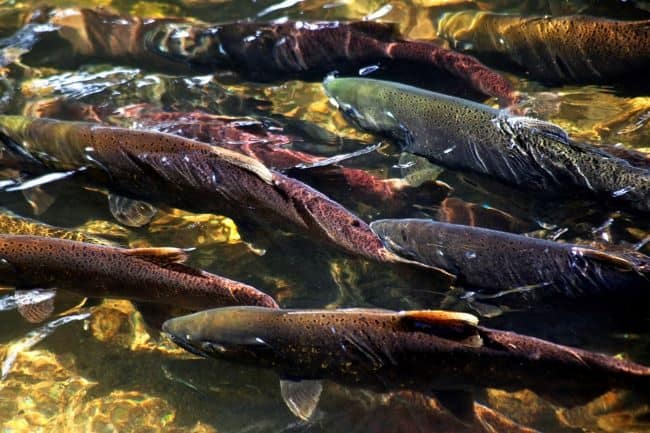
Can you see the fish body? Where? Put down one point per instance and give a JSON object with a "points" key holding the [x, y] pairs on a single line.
{"points": [[496, 261], [247, 136], [259, 50], [465, 135], [385, 350], [565, 49], [165, 169], [317, 48], [154, 275]]}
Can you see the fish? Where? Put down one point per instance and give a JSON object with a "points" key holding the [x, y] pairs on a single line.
{"points": [[441, 353], [169, 170], [148, 275], [564, 49], [494, 260], [258, 50], [248, 136], [465, 135]]}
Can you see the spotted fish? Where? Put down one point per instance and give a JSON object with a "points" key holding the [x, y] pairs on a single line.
{"points": [[462, 134], [165, 169], [261, 51], [566, 49], [447, 353], [148, 275], [495, 260]]}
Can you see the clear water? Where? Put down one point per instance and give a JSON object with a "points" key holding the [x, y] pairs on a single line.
{"points": [[108, 372]]}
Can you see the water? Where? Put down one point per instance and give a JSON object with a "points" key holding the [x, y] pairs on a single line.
{"points": [[110, 372]]}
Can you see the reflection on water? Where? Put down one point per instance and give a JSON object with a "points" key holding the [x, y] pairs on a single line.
{"points": [[112, 372]]}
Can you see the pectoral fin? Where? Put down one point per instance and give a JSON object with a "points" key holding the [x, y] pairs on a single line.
{"points": [[38, 199], [44, 179], [417, 170], [333, 160], [460, 403], [461, 327], [162, 256], [129, 212], [301, 397], [35, 305]]}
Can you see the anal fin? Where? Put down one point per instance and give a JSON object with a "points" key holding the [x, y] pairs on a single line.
{"points": [[38, 199], [301, 397], [35, 305]]}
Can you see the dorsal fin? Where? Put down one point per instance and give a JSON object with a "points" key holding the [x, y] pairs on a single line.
{"points": [[441, 317], [162, 256], [245, 162], [461, 327], [605, 257]]}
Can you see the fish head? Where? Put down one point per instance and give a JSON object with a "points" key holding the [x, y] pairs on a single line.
{"points": [[395, 234], [236, 333], [361, 102]]}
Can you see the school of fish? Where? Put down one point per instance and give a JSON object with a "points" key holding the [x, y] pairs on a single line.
{"points": [[145, 160]]}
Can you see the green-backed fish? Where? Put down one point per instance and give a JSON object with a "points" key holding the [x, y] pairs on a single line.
{"points": [[439, 352], [494, 260], [466, 135], [148, 275]]}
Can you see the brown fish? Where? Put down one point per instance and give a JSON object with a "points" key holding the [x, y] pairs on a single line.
{"points": [[566, 49], [261, 51], [495, 260], [150, 275], [170, 170], [427, 351], [249, 137]]}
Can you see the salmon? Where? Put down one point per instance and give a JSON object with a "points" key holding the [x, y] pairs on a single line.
{"points": [[148, 275], [564, 49], [441, 352], [465, 135], [494, 260], [165, 169]]}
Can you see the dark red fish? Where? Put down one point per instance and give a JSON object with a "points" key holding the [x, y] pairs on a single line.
{"points": [[249, 137], [261, 51]]}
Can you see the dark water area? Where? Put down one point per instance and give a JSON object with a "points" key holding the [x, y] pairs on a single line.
{"points": [[101, 365]]}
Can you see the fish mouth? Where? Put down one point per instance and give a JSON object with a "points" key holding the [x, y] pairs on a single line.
{"points": [[183, 344]]}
